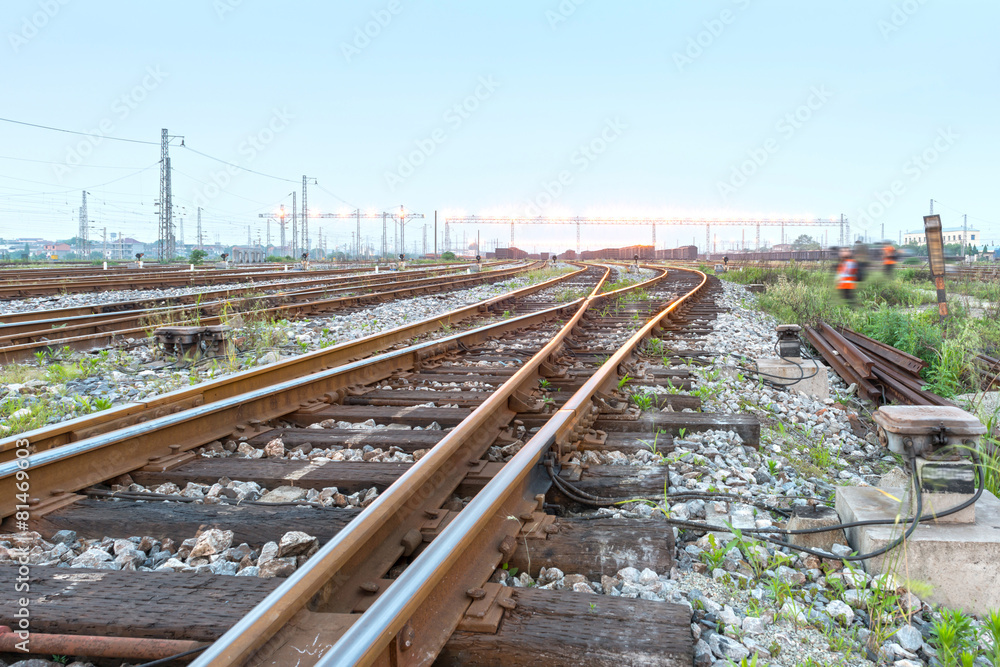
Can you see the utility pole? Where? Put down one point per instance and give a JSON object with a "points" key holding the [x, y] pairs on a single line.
{"points": [[932, 207], [249, 240], [357, 240], [435, 234], [295, 230], [305, 212], [166, 249], [181, 230], [104, 250], [965, 234], [384, 246], [284, 249], [200, 242], [84, 233], [425, 239]]}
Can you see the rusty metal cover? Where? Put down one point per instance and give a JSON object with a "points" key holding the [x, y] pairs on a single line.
{"points": [[921, 419]]}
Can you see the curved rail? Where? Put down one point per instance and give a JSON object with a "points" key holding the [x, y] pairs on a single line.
{"points": [[382, 520], [365, 640], [129, 414]]}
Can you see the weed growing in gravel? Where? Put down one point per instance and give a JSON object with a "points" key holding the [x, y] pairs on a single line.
{"points": [[568, 294], [991, 631], [654, 347], [643, 400], [954, 638]]}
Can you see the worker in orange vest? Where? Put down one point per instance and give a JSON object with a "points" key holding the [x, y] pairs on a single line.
{"points": [[847, 274], [888, 259]]}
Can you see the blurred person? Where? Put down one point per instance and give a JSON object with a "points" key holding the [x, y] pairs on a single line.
{"points": [[889, 259], [847, 275]]}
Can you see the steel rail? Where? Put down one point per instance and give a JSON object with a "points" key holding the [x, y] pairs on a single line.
{"points": [[353, 542], [72, 430], [25, 351], [366, 639], [55, 329], [9, 321], [16, 290], [77, 465]]}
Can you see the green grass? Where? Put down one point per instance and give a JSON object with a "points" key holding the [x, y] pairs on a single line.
{"points": [[888, 311]]}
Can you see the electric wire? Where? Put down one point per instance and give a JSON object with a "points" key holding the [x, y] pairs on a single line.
{"points": [[84, 134]]}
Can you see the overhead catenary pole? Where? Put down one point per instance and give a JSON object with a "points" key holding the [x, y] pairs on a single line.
{"points": [[435, 234], [305, 217], [83, 235], [965, 234], [200, 241], [295, 229], [166, 232], [284, 248]]}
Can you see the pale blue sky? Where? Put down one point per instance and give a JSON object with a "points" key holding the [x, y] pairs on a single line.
{"points": [[886, 80]]}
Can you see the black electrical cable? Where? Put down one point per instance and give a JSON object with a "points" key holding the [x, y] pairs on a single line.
{"points": [[178, 656], [762, 533]]}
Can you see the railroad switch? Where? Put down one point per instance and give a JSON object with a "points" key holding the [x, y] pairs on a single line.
{"points": [[939, 440], [788, 340], [193, 342]]}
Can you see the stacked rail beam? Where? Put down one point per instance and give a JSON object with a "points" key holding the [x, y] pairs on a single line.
{"points": [[881, 373]]}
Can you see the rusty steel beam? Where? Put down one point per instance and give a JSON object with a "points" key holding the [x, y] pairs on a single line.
{"points": [[907, 362], [840, 366], [72, 430], [129, 648], [858, 360]]}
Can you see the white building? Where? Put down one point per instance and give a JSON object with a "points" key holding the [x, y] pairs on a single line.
{"points": [[951, 235]]}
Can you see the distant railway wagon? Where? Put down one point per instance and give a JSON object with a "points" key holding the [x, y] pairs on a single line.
{"points": [[797, 255]]}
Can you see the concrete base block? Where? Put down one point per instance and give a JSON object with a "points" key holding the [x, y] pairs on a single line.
{"points": [[819, 516], [815, 382], [957, 560]]}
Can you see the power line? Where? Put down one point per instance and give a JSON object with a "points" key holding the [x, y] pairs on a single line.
{"points": [[259, 173], [340, 199], [82, 166], [88, 187], [83, 134]]}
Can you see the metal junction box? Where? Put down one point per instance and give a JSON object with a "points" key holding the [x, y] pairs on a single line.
{"points": [[924, 430]]}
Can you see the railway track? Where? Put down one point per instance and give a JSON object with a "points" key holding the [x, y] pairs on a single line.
{"points": [[446, 456], [295, 281], [22, 340], [526, 299], [17, 285]]}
